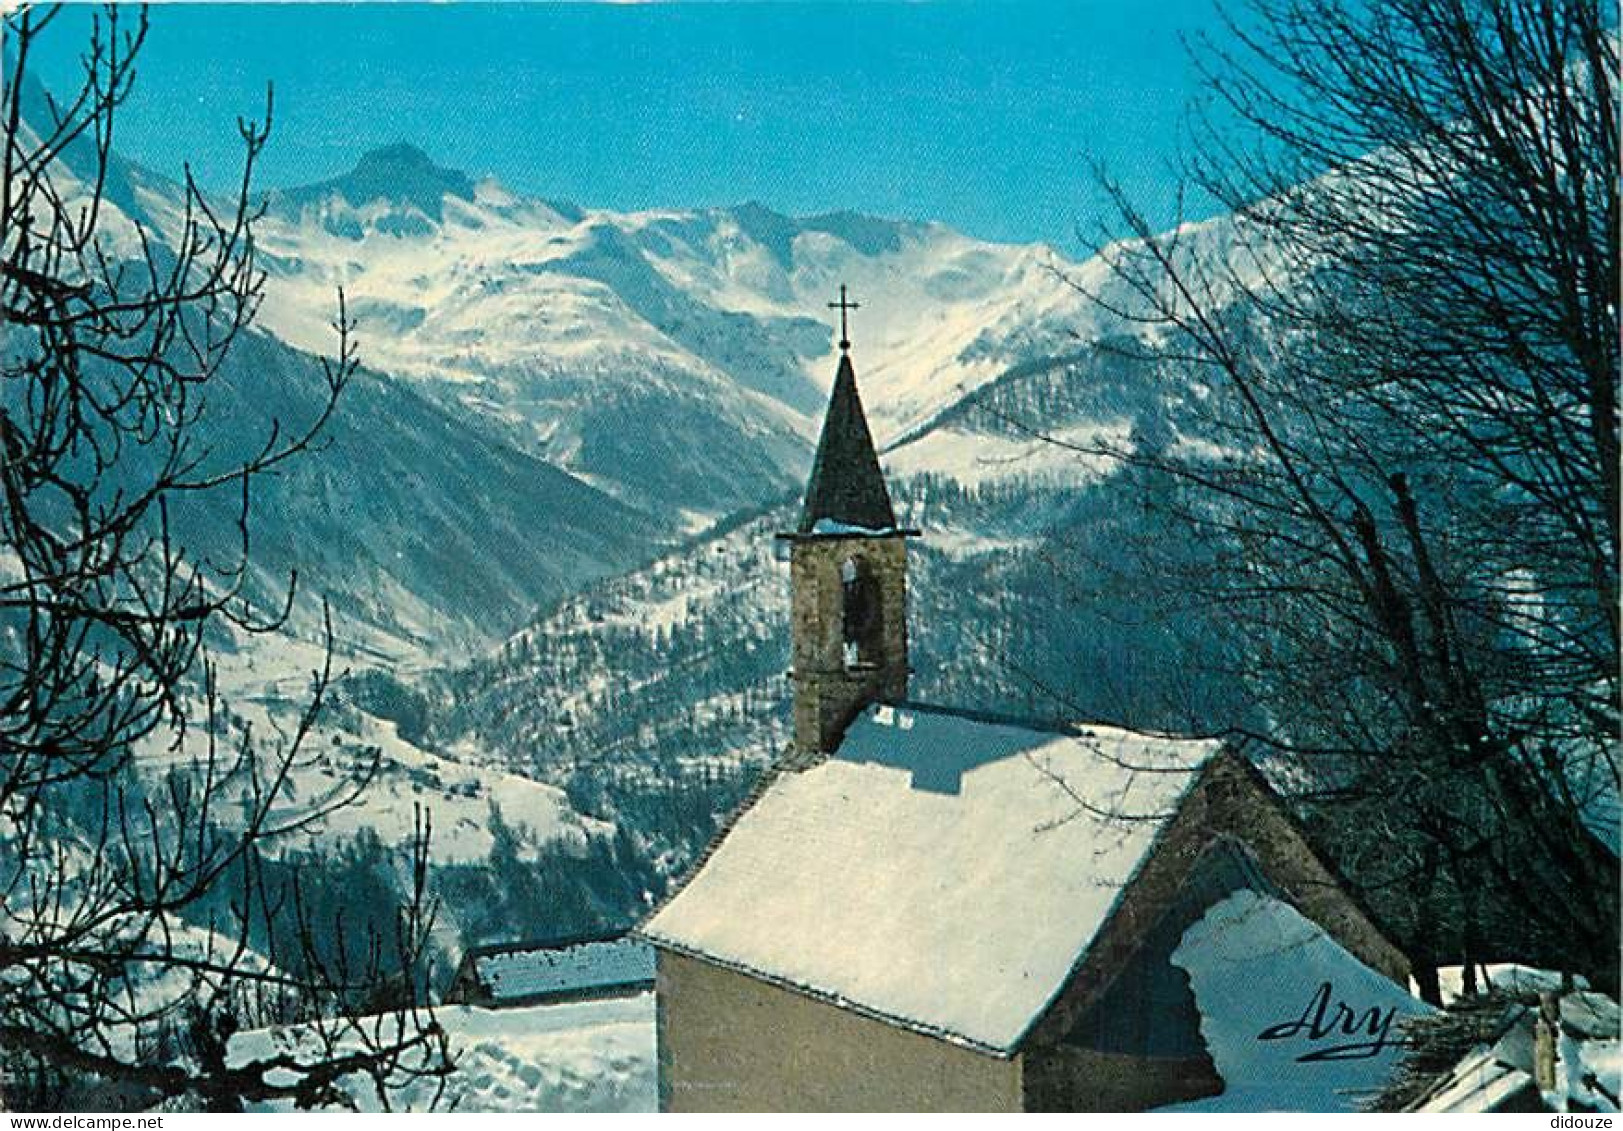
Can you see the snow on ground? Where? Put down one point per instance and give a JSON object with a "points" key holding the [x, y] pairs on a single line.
{"points": [[583, 1057], [986, 854], [1479, 1083], [1293, 1021], [458, 796], [265, 685], [1589, 1065], [336, 758], [183, 965], [159, 986], [1507, 976]]}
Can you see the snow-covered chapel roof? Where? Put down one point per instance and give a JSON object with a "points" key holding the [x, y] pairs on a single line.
{"points": [[943, 871]]}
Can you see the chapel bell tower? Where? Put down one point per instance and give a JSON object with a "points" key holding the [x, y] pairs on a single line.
{"points": [[848, 577]]}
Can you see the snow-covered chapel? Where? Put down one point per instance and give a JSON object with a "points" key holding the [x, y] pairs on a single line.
{"points": [[927, 908]]}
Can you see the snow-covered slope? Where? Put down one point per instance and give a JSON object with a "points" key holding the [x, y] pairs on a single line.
{"points": [[596, 1056], [425, 534]]}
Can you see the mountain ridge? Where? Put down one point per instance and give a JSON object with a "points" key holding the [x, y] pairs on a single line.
{"points": [[559, 324]]}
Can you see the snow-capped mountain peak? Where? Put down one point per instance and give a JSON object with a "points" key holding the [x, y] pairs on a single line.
{"points": [[569, 329], [400, 175]]}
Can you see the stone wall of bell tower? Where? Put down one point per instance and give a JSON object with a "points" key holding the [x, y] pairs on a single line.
{"points": [[848, 618]]}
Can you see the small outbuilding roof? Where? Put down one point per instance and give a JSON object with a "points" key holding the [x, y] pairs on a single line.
{"points": [[942, 870], [528, 972]]}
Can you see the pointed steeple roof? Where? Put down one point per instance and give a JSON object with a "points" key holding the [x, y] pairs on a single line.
{"points": [[847, 489]]}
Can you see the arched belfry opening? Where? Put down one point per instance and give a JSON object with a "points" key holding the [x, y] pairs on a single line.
{"points": [[862, 615], [848, 566]]}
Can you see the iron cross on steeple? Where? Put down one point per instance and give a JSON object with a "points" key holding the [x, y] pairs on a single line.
{"points": [[844, 307]]}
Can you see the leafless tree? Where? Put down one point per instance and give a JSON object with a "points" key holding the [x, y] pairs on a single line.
{"points": [[137, 813], [1399, 441]]}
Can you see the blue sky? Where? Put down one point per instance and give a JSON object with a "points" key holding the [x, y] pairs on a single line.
{"points": [[983, 115]]}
